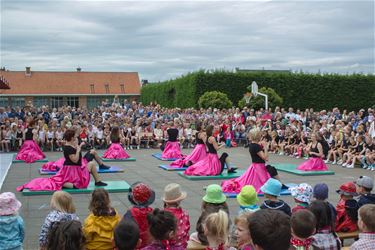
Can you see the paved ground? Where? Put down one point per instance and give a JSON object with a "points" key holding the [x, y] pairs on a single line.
{"points": [[35, 208]]}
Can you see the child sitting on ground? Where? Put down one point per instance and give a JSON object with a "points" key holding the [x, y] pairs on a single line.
{"points": [[98, 226], [366, 224], [63, 209], [12, 232], [347, 207], [302, 195], [303, 224], [126, 236], [242, 233], [66, 235], [141, 196], [172, 199], [216, 229], [247, 199], [320, 193], [271, 190], [162, 226]]}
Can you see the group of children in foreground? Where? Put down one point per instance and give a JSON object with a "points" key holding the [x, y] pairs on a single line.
{"points": [[311, 224]]}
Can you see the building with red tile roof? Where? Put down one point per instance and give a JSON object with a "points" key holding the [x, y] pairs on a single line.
{"points": [[76, 88]]}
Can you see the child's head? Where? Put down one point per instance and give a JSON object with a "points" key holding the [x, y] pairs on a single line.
{"points": [[216, 226], [302, 193], [365, 184], [214, 195], [366, 218], [347, 191], [320, 191], [100, 202], [66, 235], [63, 202], [173, 195], [248, 196], [322, 212], [9, 204], [270, 229], [126, 235], [141, 194], [162, 224], [242, 228], [303, 224], [271, 188]]}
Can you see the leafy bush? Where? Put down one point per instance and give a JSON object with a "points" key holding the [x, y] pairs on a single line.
{"points": [[258, 102], [214, 99]]}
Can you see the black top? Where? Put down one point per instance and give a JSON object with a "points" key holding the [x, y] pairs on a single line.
{"points": [[315, 150], [197, 139], [254, 148], [69, 150], [211, 148], [172, 134], [29, 134], [19, 134]]}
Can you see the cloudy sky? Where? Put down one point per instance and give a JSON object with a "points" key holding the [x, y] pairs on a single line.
{"points": [[165, 39]]}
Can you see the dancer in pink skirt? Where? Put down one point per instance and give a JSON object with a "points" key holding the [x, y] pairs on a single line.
{"points": [[172, 148], [75, 172], [211, 164], [115, 151], [199, 152], [257, 174], [30, 151], [315, 163]]}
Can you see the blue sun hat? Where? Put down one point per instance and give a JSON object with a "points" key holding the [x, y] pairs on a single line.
{"points": [[272, 187]]}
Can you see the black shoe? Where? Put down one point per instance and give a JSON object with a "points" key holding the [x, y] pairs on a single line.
{"points": [[284, 186], [232, 170], [100, 184], [104, 167]]}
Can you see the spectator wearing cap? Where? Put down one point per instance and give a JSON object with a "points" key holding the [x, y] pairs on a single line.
{"points": [[346, 208], [365, 185], [366, 224], [247, 199], [173, 195], [141, 196], [320, 192], [302, 195], [271, 190]]}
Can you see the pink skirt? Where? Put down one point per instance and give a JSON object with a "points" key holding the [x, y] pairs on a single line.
{"points": [[313, 164], [54, 165], [199, 153], [115, 151], [207, 167], [30, 152], [256, 175], [78, 175], [172, 150]]}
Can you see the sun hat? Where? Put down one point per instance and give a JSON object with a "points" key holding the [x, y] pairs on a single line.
{"points": [[347, 188], [247, 196], [272, 187], [141, 194], [365, 181], [9, 203], [214, 194], [302, 192], [173, 193], [320, 191]]}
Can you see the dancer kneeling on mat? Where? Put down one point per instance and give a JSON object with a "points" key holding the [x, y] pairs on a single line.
{"points": [[75, 172], [115, 151], [211, 164], [172, 148], [258, 173]]}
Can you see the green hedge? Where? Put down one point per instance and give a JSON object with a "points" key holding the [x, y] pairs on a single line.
{"points": [[298, 90]]}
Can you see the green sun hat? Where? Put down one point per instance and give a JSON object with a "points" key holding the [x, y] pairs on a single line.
{"points": [[248, 196], [214, 194]]}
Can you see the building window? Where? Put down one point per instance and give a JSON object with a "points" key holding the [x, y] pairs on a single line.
{"points": [[122, 87], [72, 101], [40, 101], [92, 88], [107, 88], [57, 102], [94, 101], [4, 102], [17, 101]]}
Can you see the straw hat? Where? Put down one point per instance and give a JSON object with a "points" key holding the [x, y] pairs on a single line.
{"points": [[9, 204], [173, 193]]}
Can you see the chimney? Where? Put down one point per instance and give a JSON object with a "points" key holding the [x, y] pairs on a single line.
{"points": [[79, 69], [28, 71]]}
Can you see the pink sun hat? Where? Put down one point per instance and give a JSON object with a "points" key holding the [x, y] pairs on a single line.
{"points": [[9, 204]]}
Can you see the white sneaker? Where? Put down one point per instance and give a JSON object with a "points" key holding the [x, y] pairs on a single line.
{"points": [[350, 165], [131, 147], [326, 161], [334, 163], [339, 162], [138, 147], [372, 168], [344, 164]]}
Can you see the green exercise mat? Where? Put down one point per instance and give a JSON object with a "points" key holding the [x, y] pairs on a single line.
{"points": [[21, 161], [117, 160], [222, 176], [292, 169], [112, 187]]}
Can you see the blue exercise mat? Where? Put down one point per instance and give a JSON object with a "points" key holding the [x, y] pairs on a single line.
{"points": [[283, 191], [102, 171], [158, 156]]}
